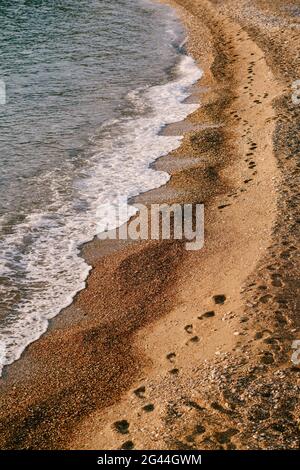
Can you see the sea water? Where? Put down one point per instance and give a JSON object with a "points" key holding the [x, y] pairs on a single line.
{"points": [[89, 85]]}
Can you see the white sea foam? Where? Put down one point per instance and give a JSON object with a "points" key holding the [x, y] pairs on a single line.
{"points": [[46, 246]]}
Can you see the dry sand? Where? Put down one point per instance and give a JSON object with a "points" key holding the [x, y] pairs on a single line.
{"points": [[147, 357]]}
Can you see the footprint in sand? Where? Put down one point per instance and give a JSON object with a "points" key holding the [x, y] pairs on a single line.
{"points": [[262, 334], [128, 445], [122, 426], [139, 392], [171, 356], [199, 429], [225, 436], [194, 339], [219, 299], [209, 314], [273, 342], [195, 405], [265, 298], [189, 329], [267, 358], [218, 407], [148, 408], [244, 319], [276, 280]]}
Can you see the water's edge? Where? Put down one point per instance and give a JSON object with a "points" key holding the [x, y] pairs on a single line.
{"points": [[168, 104]]}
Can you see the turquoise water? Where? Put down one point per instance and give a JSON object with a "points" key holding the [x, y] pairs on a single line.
{"points": [[89, 85]]}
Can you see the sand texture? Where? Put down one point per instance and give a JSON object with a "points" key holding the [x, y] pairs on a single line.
{"points": [[174, 349]]}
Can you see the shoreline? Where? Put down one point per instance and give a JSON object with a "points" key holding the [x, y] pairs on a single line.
{"points": [[184, 74], [199, 377]]}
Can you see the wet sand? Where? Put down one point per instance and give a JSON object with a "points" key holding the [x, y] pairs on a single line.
{"points": [[170, 349]]}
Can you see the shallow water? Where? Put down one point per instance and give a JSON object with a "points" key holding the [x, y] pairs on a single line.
{"points": [[89, 86]]}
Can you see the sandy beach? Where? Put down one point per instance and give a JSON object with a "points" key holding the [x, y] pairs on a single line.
{"points": [[174, 349]]}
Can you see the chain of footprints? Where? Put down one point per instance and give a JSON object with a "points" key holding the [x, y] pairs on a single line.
{"points": [[123, 426]]}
